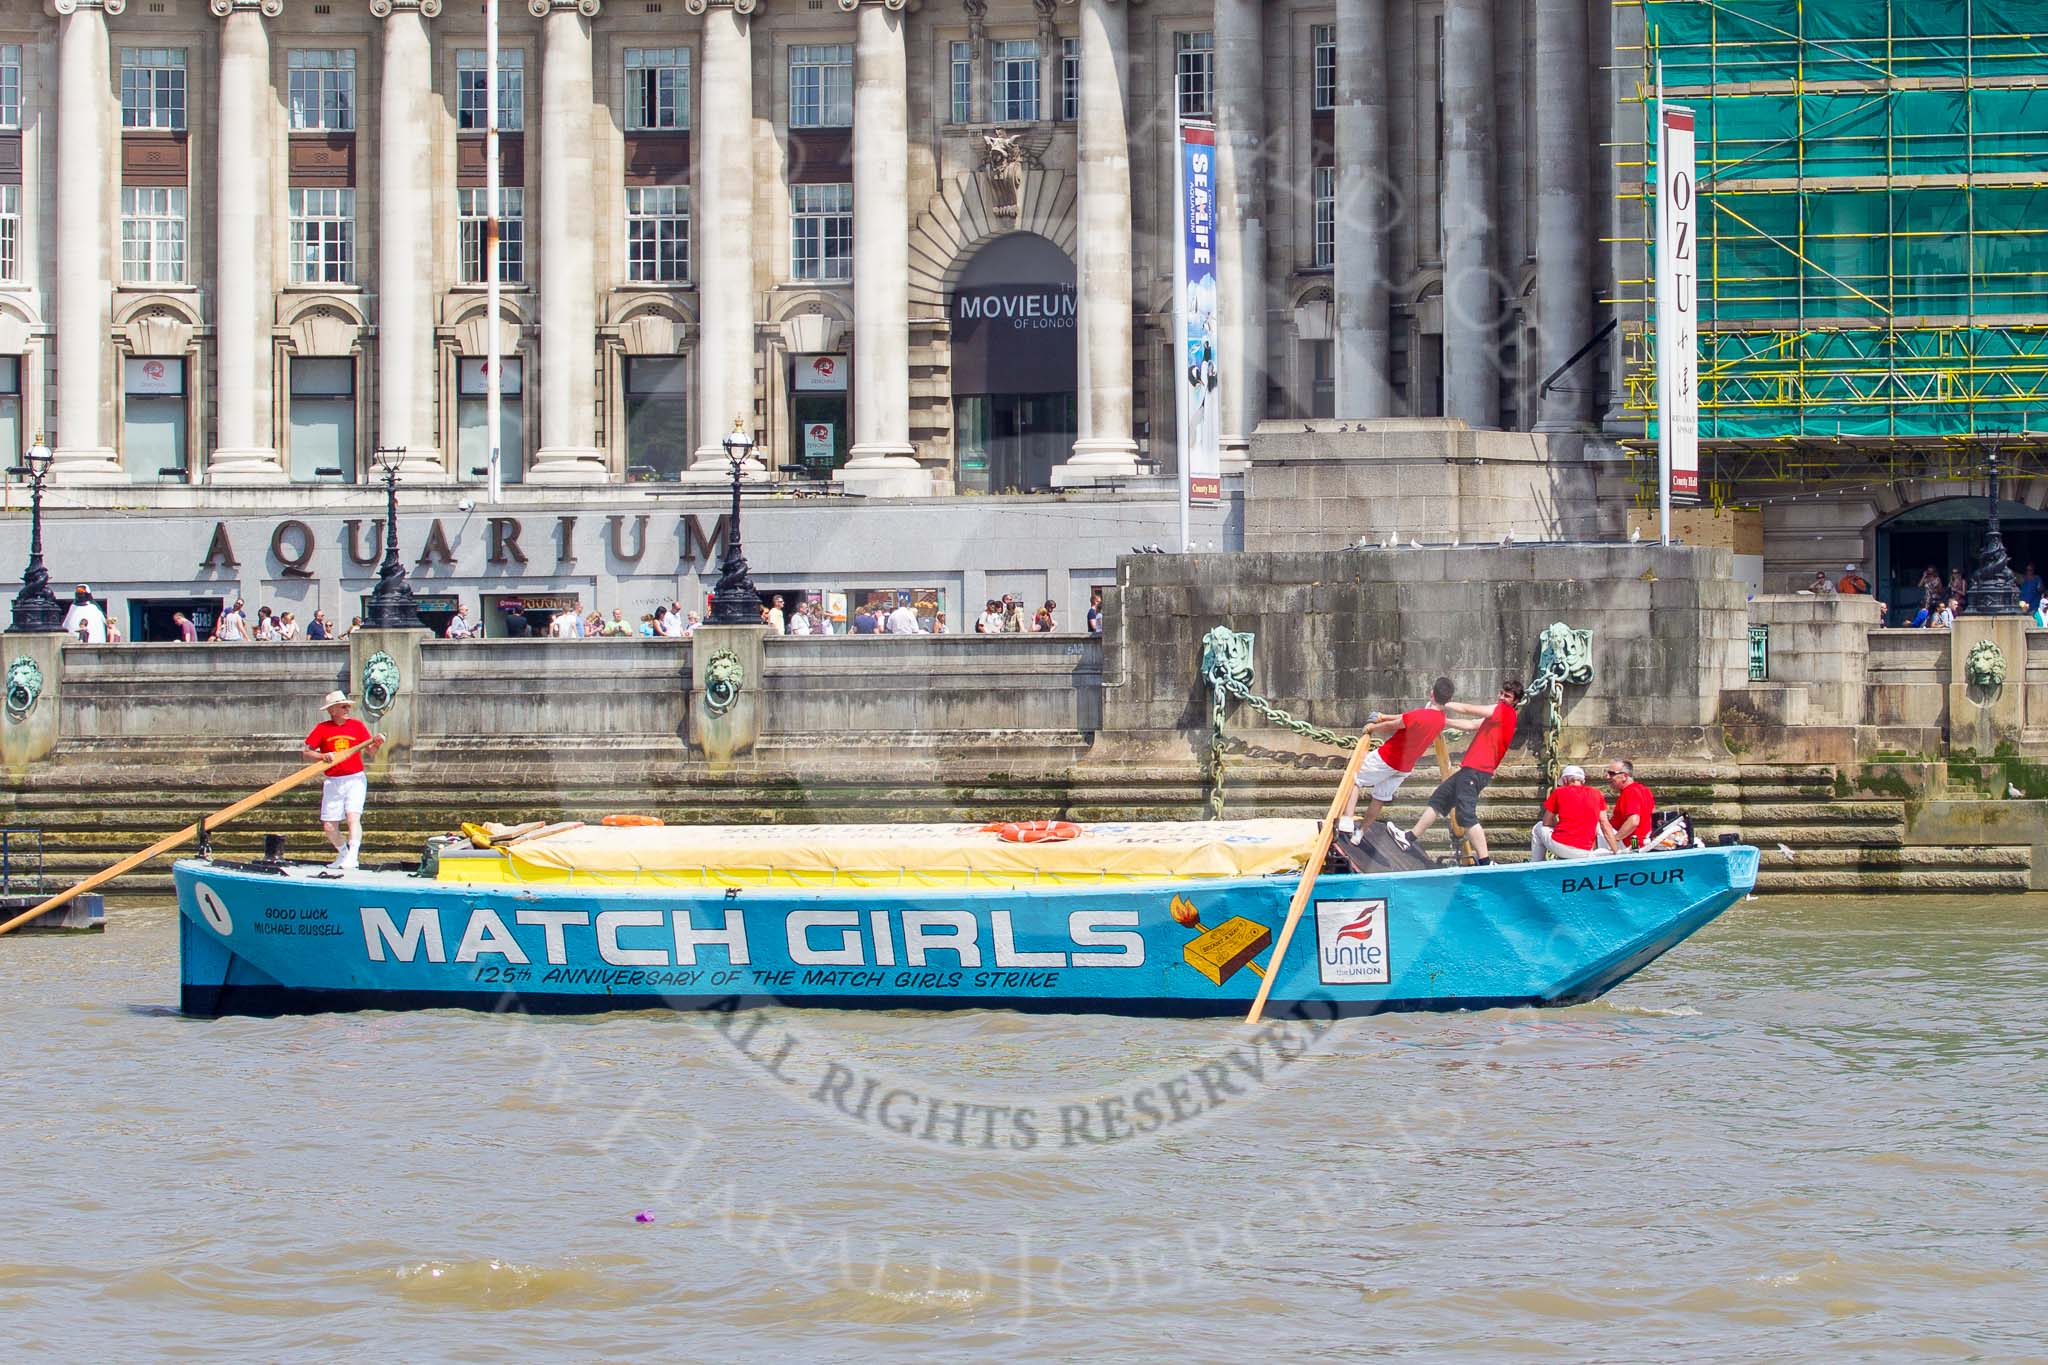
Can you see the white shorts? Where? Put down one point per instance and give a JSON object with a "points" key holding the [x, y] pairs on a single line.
{"points": [[341, 797], [1378, 780]]}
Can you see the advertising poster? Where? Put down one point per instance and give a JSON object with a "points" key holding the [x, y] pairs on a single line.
{"points": [[1678, 352], [820, 374], [1199, 408], [818, 443]]}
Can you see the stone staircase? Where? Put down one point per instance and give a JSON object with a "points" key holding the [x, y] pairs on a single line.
{"points": [[94, 808]]}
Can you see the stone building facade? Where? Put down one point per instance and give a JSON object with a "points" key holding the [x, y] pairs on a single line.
{"points": [[920, 249]]}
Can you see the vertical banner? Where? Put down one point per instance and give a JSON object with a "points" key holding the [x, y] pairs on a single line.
{"points": [[1199, 409], [1678, 297]]}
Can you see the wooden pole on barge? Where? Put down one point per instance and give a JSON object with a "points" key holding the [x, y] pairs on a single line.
{"points": [[171, 841], [1308, 879]]}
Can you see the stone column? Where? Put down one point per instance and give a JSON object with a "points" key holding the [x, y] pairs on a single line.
{"points": [[1471, 299], [723, 199], [405, 228], [568, 451], [244, 222], [880, 462], [1102, 250], [1364, 349], [1564, 233], [1241, 238], [1048, 60], [84, 452]]}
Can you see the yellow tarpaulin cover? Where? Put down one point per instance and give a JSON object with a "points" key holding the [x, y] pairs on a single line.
{"points": [[881, 855]]}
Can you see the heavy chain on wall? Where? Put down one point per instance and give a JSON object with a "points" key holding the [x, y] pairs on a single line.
{"points": [[1227, 664], [1566, 658]]}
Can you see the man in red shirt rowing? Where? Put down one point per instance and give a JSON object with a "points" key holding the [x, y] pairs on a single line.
{"points": [[1574, 823], [346, 784], [1634, 804], [1404, 738], [1460, 791]]}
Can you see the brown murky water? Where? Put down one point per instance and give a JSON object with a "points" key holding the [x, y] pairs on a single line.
{"points": [[1819, 1126]]}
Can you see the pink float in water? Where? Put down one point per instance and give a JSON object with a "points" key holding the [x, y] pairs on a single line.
{"points": [[644, 1216]]}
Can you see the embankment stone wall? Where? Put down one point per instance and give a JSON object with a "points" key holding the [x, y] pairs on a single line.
{"points": [[1341, 633]]}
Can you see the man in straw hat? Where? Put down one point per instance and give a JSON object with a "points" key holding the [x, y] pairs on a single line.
{"points": [[341, 795]]}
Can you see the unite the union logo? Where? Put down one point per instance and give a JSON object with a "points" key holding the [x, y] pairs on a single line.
{"points": [[1352, 943]]}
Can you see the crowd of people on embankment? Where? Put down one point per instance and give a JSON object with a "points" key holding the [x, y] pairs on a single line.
{"points": [[879, 614], [1942, 597]]}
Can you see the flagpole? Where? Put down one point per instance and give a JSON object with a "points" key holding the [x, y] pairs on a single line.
{"points": [[493, 357], [1663, 361]]}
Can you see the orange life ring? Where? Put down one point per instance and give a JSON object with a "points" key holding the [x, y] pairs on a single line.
{"points": [[616, 821], [1034, 831]]}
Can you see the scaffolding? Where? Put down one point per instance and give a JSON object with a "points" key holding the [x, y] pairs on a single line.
{"points": [[1874, 223]]}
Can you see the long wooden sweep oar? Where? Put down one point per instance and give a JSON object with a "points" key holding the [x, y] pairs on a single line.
{"points": [[1308, 879], [171, 841]]}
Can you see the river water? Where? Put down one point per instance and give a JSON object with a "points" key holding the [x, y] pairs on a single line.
{"points": [[1818, 1126]]}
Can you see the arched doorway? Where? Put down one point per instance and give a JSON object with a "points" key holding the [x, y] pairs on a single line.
{"points": [[1947, 534], [1012, 316]]}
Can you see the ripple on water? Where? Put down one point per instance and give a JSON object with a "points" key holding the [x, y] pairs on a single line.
{"points": [[490, 1285]]}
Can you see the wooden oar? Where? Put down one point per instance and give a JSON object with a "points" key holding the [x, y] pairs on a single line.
{"points": [[213, 821], [1308, 879]]}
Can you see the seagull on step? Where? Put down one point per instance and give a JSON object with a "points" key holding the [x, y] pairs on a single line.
{"points": [[1786, 851], [1635, 534], [2013, 792], [1414, 544]]}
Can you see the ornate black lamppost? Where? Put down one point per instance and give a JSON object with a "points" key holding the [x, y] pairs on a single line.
{"points": [[1994, 591], [391, 604], [734, 601], [36, 609]]}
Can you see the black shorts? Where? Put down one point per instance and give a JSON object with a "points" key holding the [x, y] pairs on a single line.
{"points": [[1459, 793]]}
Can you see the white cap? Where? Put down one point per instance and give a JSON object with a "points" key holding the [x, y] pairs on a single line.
{"points": [[1573, 773], [1848, 568]]}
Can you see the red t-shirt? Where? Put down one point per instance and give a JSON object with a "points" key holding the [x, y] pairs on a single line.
{"points": [[328, 738], [1490, 741], [1577, 808], [1635, 799], [1419, 729]]}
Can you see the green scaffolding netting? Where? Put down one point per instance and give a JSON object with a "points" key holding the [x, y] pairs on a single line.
{"points": [[1874, 215]]}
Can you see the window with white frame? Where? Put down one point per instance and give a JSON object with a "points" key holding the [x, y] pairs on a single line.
{"points": [[472, 207], [323, 236], [658, 233], [10, 233], [153, 88], [1326, 217], [10, 85], [1194, 73], [1013, 81], [1070, 79], [471, 81], [322, 89], [961, 69], [1323, 69], [821, 85], [821, 232], [152, 235], [657, 89]]}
